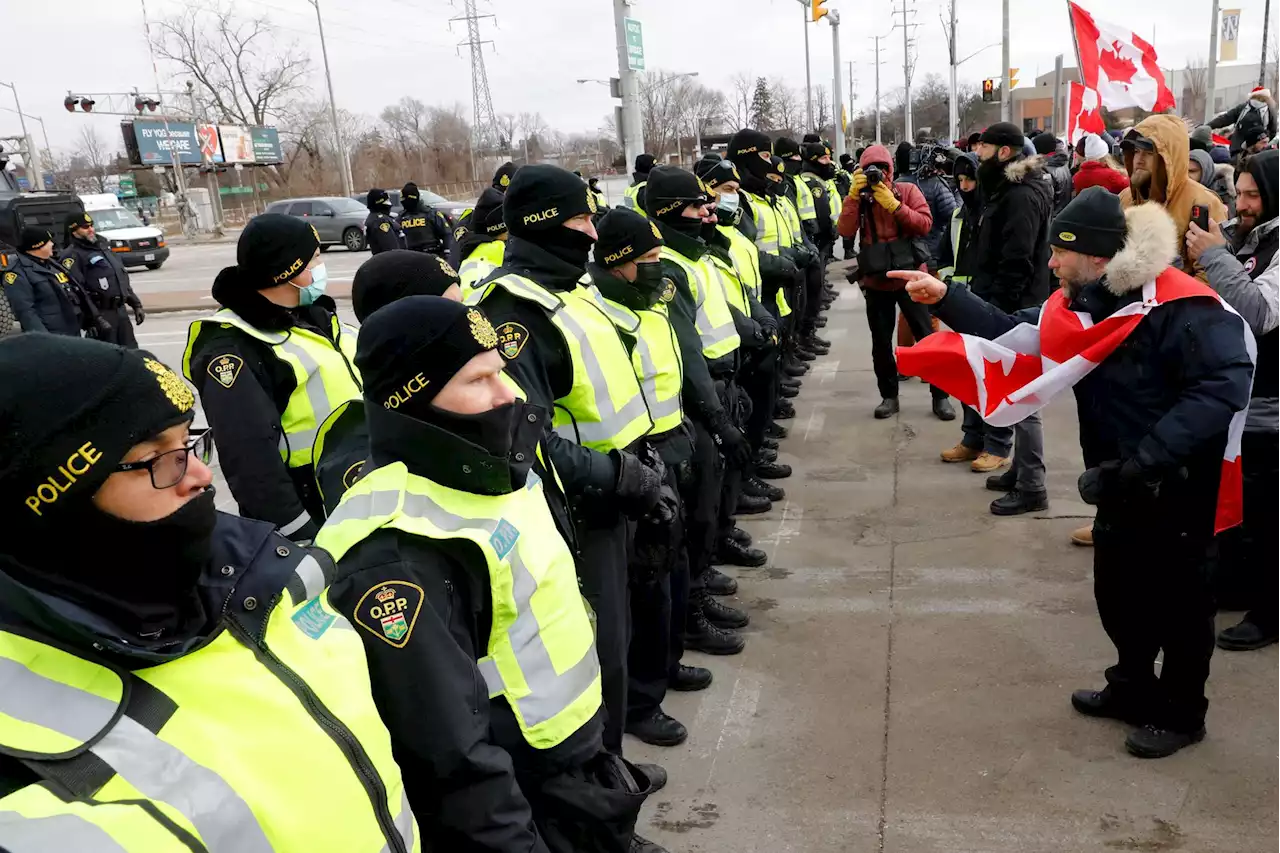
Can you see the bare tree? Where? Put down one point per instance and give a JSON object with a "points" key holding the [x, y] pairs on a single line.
{"points": [[822, 114], [508, 126], [788, 107], [1195, 88], [243, 72], [92, 159], [738, 103], [533, 126]]}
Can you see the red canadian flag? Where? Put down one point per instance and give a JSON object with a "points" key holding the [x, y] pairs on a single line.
{"points": [[1084, 114], [1118, 64], [1018, 373]]}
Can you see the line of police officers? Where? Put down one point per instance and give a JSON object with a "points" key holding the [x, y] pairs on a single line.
{"points": [[584, 424]]}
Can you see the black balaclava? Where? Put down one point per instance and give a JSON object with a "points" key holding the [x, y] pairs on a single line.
{"points": [[539, 201], [669, 191], [66, 429], [744, 151], [409, 198], [777, 180], [812, 153], [788, 150], [625, 235], [378, 201]]}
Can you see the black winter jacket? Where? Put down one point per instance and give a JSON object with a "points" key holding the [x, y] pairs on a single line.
{"points": [[44, 298], [99, 272], [382, 232], [1011, 242], [942, 202], [426, 230], [1164, 398], [1058, 168]]}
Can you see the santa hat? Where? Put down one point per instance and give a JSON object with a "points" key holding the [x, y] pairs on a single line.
{"points": [[1259, 92]]}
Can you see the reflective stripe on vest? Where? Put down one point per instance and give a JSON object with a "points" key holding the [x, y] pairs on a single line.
{"points": [[631, 196], [541, 653], [762, 215], [605, 409], [659, 365], [323, 376], [788, 211], [746, 262], [804, 199], [957, 226], [715, 326], [484, 259], [834, 202]]}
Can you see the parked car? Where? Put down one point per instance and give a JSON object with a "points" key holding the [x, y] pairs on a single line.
{"points": [[452, 210], [339, 221], [134, 243]]}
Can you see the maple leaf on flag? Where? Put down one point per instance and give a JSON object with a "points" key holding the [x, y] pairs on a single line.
{"points": [[1118, 68], [1118, 64], [999, 383]]}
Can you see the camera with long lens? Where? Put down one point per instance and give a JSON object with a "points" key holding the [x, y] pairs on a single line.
{"points": [[874, 176]]}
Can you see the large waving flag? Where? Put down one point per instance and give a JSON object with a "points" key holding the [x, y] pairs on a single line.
{"points": [[1018, 373], [1084, 112], [1118, 64]]}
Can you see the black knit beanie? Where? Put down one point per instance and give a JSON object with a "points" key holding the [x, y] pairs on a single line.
{"points": [[542, 197], [1091, 224], [502, 177], [69, 422], [1003, 133], [378, 200], [486, 218], [33, 237], [644, 162], [624, 235], [273, 249], [714, 172], [786, 147], [393, 275], [670, 190]]}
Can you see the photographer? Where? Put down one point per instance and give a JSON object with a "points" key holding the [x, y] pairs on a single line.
{"points": [[889, 218]]}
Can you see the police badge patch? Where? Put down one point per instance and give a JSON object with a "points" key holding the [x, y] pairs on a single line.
{"points": [[511, 339], [668, 290], [592, 205], [656, 233], [68, 262], [390, 610], [384, 227], [481, 329], [10, 277], [225, 369]]}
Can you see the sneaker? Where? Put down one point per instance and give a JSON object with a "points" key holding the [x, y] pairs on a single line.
{"points": [[888, 408], [731, 552], [1152, 742], [1018, 502], [761, 489], [773, 470], [659, 729], [1083, 536], [960, 453], [769, 443], [943, 410], [722, 615], [640, 844], [988, 462], [702, 636], [788, 391], [752, 505], [689, 679], [1102, 703], [1245, 637], [740, 535], [1005, 481], [776, 431], [656, 774], [764, 454]]}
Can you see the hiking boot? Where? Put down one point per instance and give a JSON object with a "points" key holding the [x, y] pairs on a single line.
{"points": [[1018, 502], [1102, 703], [688, 679], [960, 453], [776, 431], [773, 470], [988, 462], [764, 454], [1245, 637], [1152, 742], [741, 536], [1083, 536], [761, 489], [722, 615], [731, 552], [752, 505], [656, 774], [888, 408], [658, 729], [943, 410], [702, 636], [1005, 481]]}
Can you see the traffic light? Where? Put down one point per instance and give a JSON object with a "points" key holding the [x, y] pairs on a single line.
{"points": [[988, 90], [1013, 79], [140, 103], [70, 102], [818, 10]]}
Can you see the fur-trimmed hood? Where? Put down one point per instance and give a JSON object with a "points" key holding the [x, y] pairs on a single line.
{"points": [[1022, 168], [1151, 243], [1226, 175]]}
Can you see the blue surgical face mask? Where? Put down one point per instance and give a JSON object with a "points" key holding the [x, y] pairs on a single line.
{"points": [[728, 201], [313, 291]]}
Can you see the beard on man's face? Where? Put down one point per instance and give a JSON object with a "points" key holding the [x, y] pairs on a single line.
{"points": [[1140, 178]]}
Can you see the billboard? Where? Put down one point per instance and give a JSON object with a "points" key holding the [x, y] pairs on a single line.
{"points": [[237, 144], [207, 138], [155, 142], [266, 145]]}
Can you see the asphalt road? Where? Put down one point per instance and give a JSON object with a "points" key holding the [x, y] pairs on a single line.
{"points": [[910, 657]]}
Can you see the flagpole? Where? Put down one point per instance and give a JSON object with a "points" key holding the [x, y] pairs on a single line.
{"points": [[1213, 64]]}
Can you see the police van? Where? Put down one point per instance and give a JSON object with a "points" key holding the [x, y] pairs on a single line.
{"points": [[135, 244]]}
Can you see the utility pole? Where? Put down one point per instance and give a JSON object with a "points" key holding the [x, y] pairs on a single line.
{"points": [[631, 131], [1057, 96], [211, 177], [953, 115], [808, 96], [907, 68], [32, 161], [1006, 96], [344, 162], [877, 41], [179, 175], [837, 95], [1213, 64], [1262, 66], [851, 93]]}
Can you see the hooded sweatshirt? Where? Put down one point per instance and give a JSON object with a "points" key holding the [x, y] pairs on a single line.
{"points": [[1170, 185], [912, 218], [1258, 111], [1218, 177]]}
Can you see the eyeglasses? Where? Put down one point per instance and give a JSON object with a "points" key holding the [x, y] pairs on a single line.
{"points": [[167, 469]]}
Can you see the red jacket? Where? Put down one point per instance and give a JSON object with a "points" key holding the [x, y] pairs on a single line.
{"points": [[911, 219], [1095, 173]]}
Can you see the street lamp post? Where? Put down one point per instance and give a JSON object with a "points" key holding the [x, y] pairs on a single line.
{"points": [[344, 164], [33, 166]]}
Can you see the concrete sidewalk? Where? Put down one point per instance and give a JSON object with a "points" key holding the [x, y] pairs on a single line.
{"points": [[905, 686]]}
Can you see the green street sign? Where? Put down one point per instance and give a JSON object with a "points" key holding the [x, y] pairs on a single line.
{"points": [[635, 44], [128, 187]]}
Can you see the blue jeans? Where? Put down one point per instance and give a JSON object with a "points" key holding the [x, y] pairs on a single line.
{"points": [[981, 436]]}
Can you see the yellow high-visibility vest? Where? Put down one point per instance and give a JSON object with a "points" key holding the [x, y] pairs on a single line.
{"points": [[804, 199], [631, 196], [659, 365], [541, 655], [475, 268], [773, 231], [746, 264], [716, 329], [957, 226]]}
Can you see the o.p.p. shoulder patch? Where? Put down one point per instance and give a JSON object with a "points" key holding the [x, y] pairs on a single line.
{"points": [[10, 277], [511, 339], [384, 227], [68, 262], [389, 611], [225, 369], [668, 290]]}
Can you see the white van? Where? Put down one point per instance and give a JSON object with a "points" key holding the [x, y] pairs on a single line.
{"points": [[135, 244]]}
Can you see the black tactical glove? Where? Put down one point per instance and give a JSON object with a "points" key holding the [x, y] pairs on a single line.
{"points": [[101, 326], [1096, 482], [730, 441], [138, 314], [638, 486], [1115, 481], [668, 506]]}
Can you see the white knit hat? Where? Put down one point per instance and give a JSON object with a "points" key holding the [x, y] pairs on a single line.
{"points": [[1094, 147]]}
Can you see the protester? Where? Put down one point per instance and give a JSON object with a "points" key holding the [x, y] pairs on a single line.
{"points": [[1220, 178], [1258, 112], [1096, 167], [1057, 165]]}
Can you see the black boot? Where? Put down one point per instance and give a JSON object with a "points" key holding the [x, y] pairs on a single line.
{"points": [[640, 844], [718, 583], [790, 382], [812, 345], [776, 431], [759, 488], [822, 342], [659, 730], [1018, 502], [1152, 742], [769, 443], [788, 391], [702, 636], [1103, 703], [792, 367], [773, 470], [657, 775], [731, 552], [821, 322], [688, 679], [752, 505], [888, 408], [741, 536], [723, 616], [764, 454], [1006, 481], [943, 410], [1245, 637], [784, 410], [804, 355]]}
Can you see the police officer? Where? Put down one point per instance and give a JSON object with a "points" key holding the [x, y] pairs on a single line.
{"points": [[381, 230], [629, 275], [441, 549], [43, 296], [394, 275], [425, 229], [94, 267], [148, 653], [482, 244], [631, 196], [270, 367], [563, 349], [593, 184]]}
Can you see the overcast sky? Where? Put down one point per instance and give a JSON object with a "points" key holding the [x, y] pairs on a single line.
{"points": [[381, 50]]}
